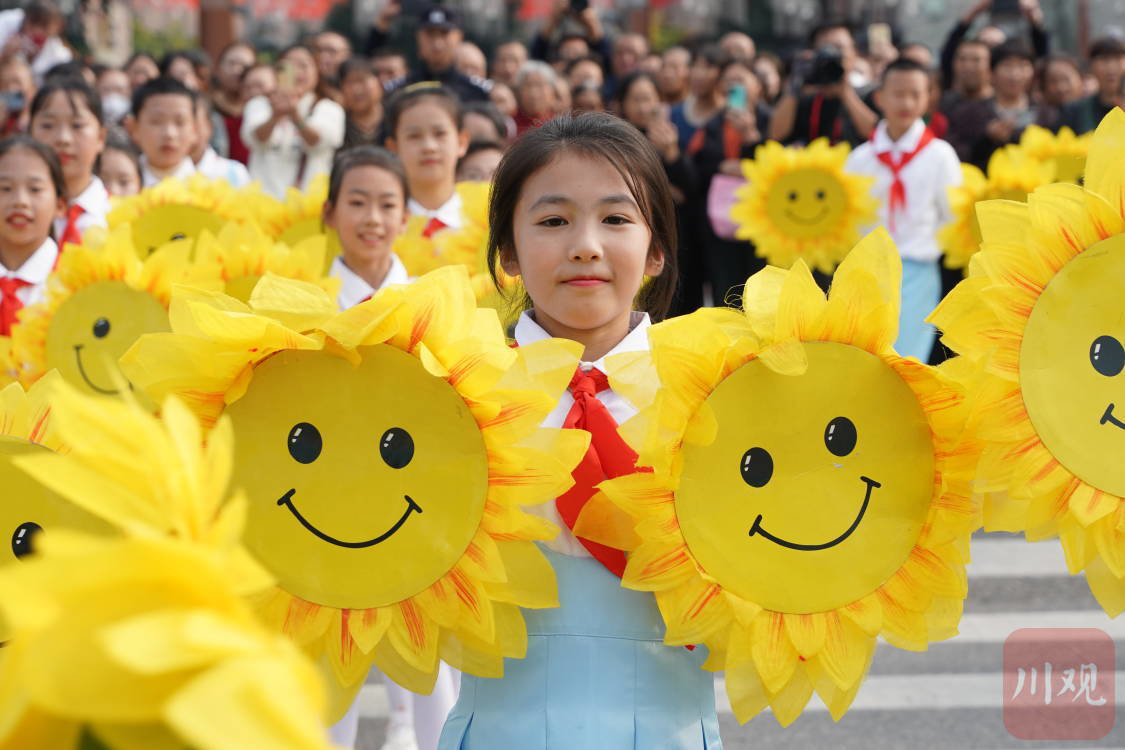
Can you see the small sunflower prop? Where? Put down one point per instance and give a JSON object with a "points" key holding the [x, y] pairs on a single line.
{"points": [[177, 210], [806, 493], [144, 639], [799, 203], [1040, 313], [1064, 150], [299, 216], [1013, 173], [241, 255], [386, 451], [100, 299]]}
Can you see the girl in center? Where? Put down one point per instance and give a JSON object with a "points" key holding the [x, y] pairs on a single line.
{"points": [[582, 211]]}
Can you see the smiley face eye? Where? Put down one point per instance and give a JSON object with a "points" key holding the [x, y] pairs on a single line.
{"points": [[23, 538], [840, 436], [793, 195], [1107, 356], [821, 195], [101, 328], [304, 443], [756, 467], [396, 447]]}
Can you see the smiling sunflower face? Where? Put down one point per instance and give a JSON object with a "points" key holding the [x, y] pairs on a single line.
{"points": [[800, 203], [807, 494], [386, 452], [1040, 316]]}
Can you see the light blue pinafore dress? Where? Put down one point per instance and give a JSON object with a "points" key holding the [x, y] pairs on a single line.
{"points": [[597, 676]]}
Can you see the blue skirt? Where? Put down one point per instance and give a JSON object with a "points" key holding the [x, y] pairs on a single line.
{"points": [[597, 676]]}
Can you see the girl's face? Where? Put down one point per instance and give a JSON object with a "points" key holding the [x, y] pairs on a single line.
{"points": [[231, 67], [28, 201], [640, 102], [302, 68], [260, 81], [183, 71], [361, 90], [141, 70], [119, 173], [369, 213], [581, 245], [70, 128], [428, 142]]}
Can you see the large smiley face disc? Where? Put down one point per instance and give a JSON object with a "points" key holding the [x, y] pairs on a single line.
{"points": [[1071, 363], [367, 483], [94, 327], [806, 203], [816, 486], [172, 222]]}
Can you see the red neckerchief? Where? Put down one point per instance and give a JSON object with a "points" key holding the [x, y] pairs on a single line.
{"points": [[10, 302], [70, 234], [897, 200]]}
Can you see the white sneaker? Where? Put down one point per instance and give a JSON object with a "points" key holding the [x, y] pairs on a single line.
{"points": [[400, 737]]}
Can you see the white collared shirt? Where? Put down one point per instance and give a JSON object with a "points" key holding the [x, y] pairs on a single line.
{"points": [[53, 51], [95, 205], [449, 213], [215, 167], [34, 271], [354, 290], [276, 161], [151, 177], [620, 408], [927, 179]]}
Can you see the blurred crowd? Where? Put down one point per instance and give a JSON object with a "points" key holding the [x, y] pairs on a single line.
{"points": [[703, 108]]}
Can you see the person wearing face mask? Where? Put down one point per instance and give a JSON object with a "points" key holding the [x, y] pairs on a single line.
{"points": [[16, 91], [114, 89]]}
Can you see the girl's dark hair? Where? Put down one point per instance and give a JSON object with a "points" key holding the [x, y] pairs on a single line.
{"points": [[407, 97], [489, 111], [629, 81], [44, 152], [599, 135], [125, 146], [348, 159], [75, 90], [354, 64]]}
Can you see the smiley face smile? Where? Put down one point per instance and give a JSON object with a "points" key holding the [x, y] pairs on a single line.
{"points": [[757, 527], [411, 507], [85, 377], [1108, 417]]}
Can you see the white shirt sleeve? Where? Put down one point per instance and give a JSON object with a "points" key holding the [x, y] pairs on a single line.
{"points": [[950, 177], [10, 21], [327, 119], [256, 113]]}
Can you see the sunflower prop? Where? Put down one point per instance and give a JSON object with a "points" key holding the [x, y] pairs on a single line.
{"points": [[806, 494], [241, 255], [99, 301], [1064, 150], [144, 639], [299, 216], [1013, 173], [1040, 312], [177, 210], [386, 451], [800, 203]]}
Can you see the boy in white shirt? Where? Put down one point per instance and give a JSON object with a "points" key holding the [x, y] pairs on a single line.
{"points": [[207, 160], [913, 172], [163, 127]]}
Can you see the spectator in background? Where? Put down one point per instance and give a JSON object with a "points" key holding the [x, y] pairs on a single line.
{"points": [[504, 99], [292, 134], [331, 50], [227, 94], [674, 72], [919, 53], [571, 45], [389, 65], [363, 102], [141, 68], [471, 61], [259, 79], [972, 76], [587, 97], [536, 96], [17, 89], [207, 161], [483, 122], [438, 37], [977, 128], [192, 69], [480, 161], [1107, 64], [507, 61], [584, 70], [1059, 83], [704, 98], [990, 36], [563, 101], [820, 100], [638, 102], [628, 52], [738, 45], [113, 87], [771, 72], [33, 32], [181, 65], [651, 64]]}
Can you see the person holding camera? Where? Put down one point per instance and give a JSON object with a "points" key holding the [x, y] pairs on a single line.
{"points": [[989, 36], [572, 45], [820, 100]]}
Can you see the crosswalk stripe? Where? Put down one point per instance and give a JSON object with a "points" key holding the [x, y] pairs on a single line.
{"points": [[994, 627], [1012, 557]]}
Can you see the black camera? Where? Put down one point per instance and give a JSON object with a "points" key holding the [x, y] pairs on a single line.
{"points": [[827, 66]]}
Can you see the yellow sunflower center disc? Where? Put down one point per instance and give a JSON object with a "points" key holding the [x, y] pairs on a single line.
{"points": [[366, 482], [816, 486], [93, 328], [1071, 363], [169, 223], [806, 203]]}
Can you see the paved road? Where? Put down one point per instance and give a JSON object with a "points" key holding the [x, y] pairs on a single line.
{"points": [[947, 697]]}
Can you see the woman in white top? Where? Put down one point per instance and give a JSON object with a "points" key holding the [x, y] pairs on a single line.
{"points": [[292, 132]]}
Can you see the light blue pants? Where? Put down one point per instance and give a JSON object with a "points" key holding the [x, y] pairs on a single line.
{"points": [[921, 292], [596, 677]]}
